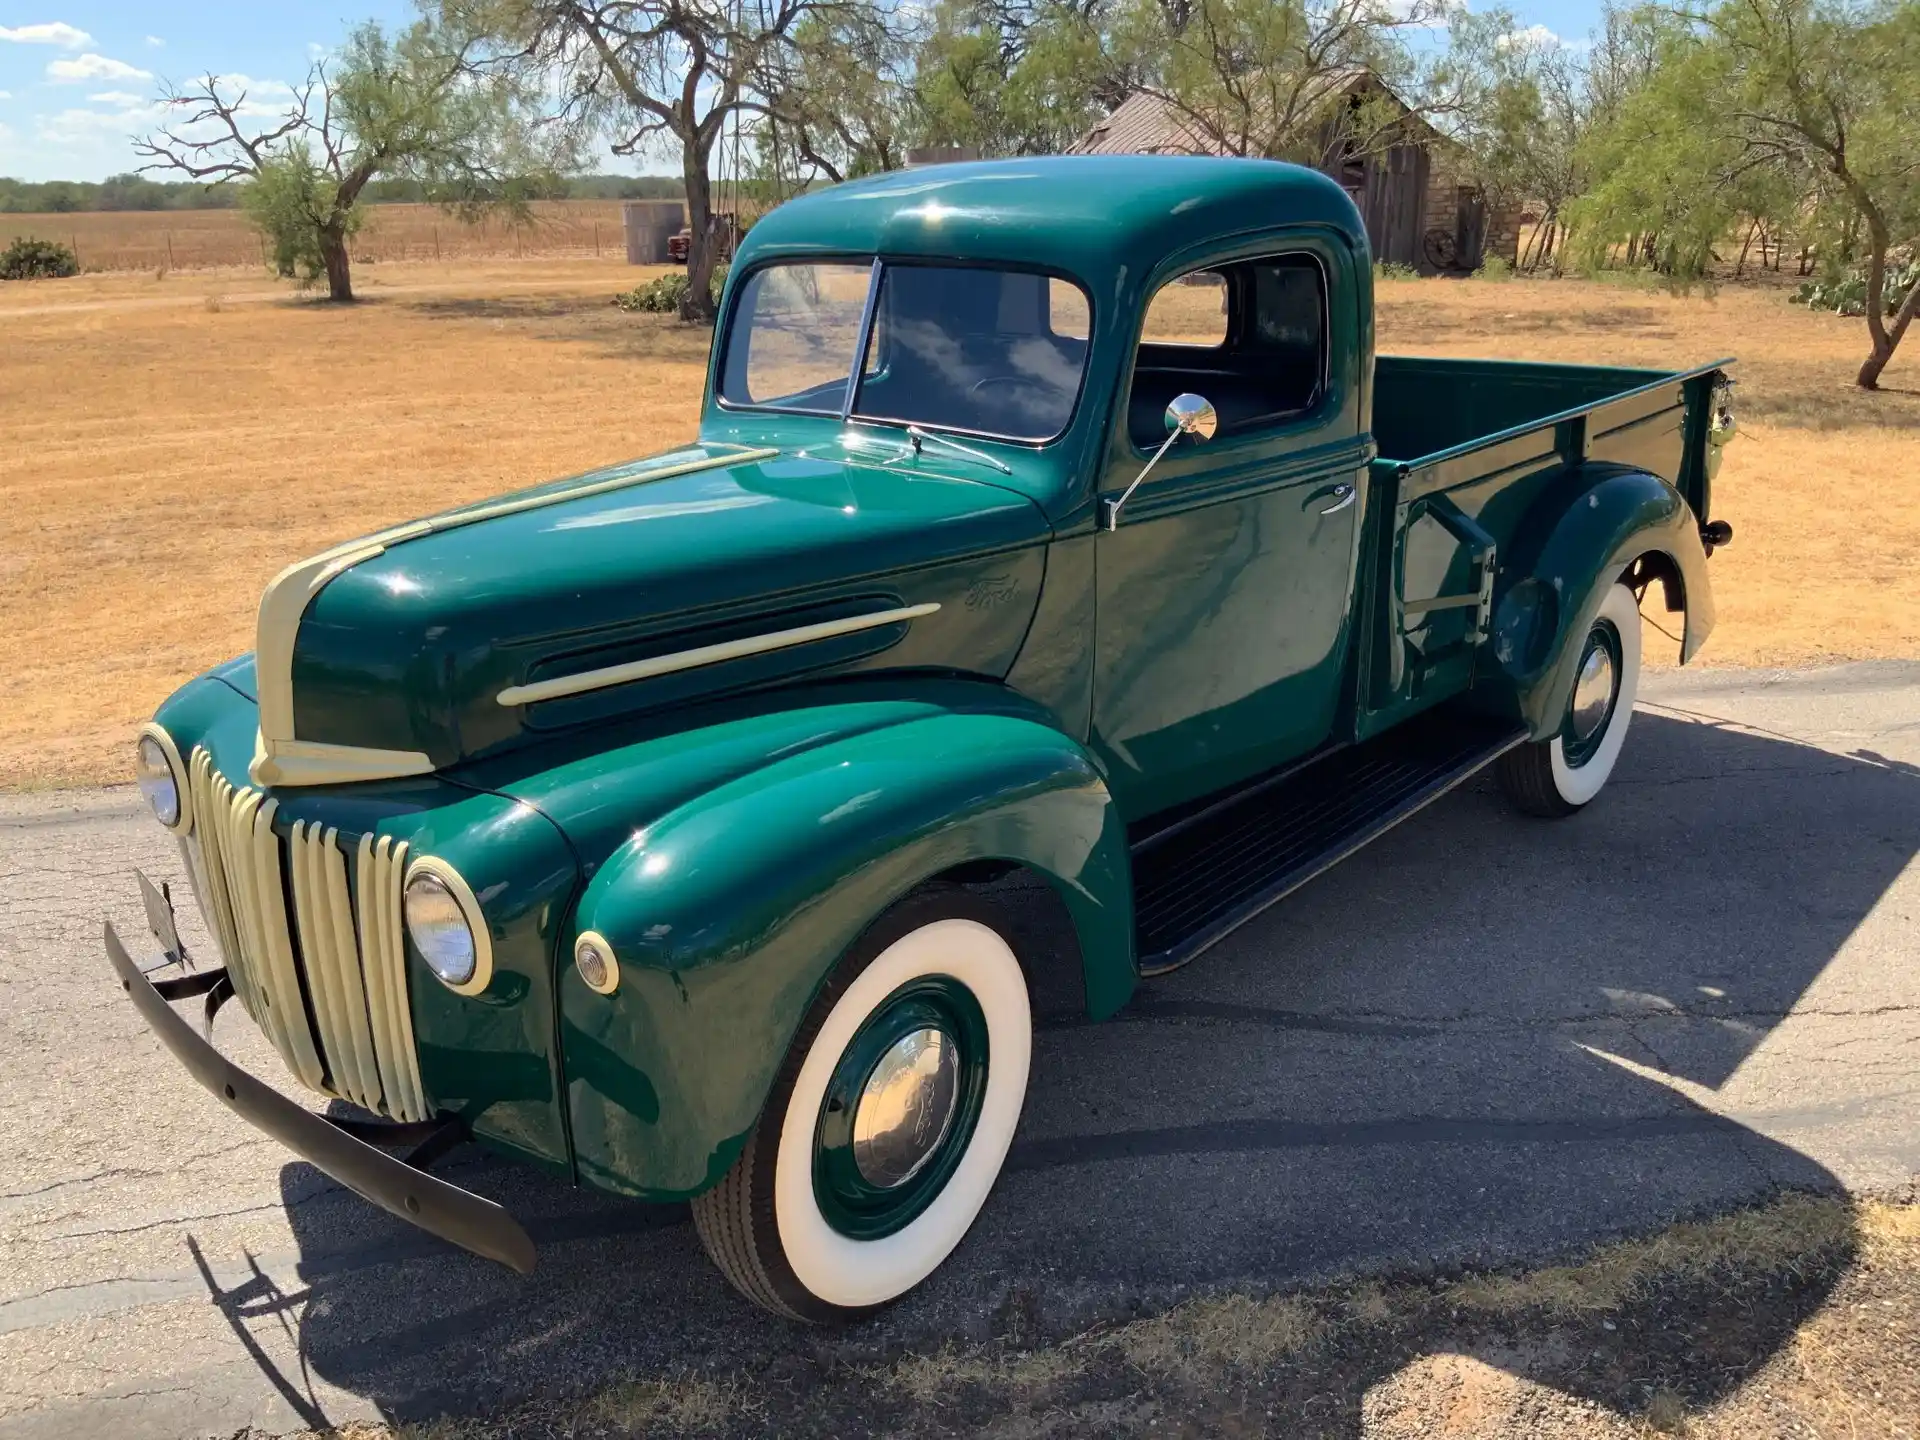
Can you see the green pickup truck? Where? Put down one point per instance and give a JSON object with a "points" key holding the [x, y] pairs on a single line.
{"points": [[1052, 528]]}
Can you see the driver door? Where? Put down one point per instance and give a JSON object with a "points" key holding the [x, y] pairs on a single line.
{"points": [[1225, 588]]}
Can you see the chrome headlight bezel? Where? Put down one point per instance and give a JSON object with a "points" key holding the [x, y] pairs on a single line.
{"points": [[155, 734], [433, 878]]}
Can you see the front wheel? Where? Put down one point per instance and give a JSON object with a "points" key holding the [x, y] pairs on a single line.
{"points": [[888, 1122], [1559, 775]]}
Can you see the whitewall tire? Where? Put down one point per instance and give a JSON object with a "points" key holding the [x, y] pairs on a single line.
{"points": [[889, 1121], [1561, 774]]}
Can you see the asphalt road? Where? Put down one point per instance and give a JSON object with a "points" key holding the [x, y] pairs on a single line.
{"points": [[1484, 1039]]}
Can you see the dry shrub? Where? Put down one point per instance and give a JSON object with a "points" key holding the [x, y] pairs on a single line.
{"points": [[930, 1379], [677, 1405], [1231, 1332]]}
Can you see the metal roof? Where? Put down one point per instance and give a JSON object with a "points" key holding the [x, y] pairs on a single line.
{"points": [[1148, 124]]}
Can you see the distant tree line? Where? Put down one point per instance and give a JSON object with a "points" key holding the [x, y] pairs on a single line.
{"points": [[138, 192], [1686, 132]]}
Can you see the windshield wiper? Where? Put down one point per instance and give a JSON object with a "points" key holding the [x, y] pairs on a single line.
{"points": [[921, 437]]}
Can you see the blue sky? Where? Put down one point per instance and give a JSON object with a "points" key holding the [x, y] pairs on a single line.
{"points": [[77, 79]]}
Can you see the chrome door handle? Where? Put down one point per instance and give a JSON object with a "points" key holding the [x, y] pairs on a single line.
{"points": [[1343, 497]]}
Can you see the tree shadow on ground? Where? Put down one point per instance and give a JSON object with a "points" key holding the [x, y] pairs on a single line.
{"points": [[1449, 1054]]}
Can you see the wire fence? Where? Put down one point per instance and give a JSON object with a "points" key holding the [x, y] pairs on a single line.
{"points": [[212, 239]]}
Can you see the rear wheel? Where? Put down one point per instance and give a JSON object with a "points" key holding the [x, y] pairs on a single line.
{"points": [[1559, 775], [888, 1123]]}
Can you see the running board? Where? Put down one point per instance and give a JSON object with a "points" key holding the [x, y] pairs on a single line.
{"points": [[1200, 878]]}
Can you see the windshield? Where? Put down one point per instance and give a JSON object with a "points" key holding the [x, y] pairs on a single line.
{"points": [[998, 353]]}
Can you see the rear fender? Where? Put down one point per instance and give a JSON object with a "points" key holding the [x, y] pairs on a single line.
{"points": [[727, 913], [1588, 535]]}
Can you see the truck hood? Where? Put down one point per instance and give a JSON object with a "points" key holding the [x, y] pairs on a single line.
{"points": [[632, 589]]}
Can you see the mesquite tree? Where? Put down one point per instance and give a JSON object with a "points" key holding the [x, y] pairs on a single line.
{"points": [[646, 73], [1754, 98], [405, 106]]}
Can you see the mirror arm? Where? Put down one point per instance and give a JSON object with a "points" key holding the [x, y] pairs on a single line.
{"points": [[1112, 507]]}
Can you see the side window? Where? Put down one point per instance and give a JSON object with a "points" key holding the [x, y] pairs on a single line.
{"points": [[1260, 358], [1188, 310]]}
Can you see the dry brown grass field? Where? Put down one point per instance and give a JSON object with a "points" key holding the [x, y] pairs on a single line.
{"points": [[214, 239], [169, 444]]}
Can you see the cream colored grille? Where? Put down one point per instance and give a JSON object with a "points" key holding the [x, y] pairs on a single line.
{"points": [[359, 1044]]}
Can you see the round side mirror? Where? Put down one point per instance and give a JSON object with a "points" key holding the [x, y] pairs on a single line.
{"points": [[1192, 415]]}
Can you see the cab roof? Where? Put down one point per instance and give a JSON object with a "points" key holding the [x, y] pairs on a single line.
{"points": [[1099, 217]]}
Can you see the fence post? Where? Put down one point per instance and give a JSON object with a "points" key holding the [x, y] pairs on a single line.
{"points": [[169, 235], [596, 239], [436, 242], [73, 236]]}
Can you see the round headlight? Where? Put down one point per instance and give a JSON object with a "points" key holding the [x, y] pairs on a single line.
{"points": [[441, 931], [153, 766]]}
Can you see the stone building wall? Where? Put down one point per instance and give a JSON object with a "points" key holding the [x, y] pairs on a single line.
{"points": [[1445, 181]]}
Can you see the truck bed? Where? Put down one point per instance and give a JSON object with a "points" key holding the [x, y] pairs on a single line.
{"points": [[1429, 410], [1465, 450]]}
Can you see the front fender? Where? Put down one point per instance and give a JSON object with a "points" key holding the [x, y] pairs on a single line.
{"points": [[727, 913], [1593, 532]]}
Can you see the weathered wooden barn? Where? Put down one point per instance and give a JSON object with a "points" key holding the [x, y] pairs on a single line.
{"points": [[1420, 208]]}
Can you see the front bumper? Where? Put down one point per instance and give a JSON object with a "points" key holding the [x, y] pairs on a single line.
{"points": [[400, 1188]]}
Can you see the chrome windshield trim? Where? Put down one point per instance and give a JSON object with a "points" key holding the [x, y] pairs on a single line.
{"points": [[864, 338]]}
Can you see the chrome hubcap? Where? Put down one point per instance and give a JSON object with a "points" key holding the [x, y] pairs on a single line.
{"points": [[1592, 692], [906, 1107]]}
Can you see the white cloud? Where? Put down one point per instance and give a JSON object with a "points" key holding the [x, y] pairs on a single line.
{"points": [[85, 127], [6, 94], [67, 37], [81, 143], [253, 87], [122, 98], [1539, 38], [94, 67], [1423, 14], [155, 41]]}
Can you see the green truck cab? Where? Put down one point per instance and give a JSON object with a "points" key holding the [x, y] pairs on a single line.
{"points": [[1050, 516]]}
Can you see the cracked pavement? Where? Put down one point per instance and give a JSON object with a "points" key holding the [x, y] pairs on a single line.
{"points": [[1483, 1040]]}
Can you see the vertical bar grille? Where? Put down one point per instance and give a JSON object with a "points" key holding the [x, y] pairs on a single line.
{"points": [[337, 958]]}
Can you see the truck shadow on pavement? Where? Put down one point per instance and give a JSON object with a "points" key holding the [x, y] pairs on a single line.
{"points": [[1484, 1041]]}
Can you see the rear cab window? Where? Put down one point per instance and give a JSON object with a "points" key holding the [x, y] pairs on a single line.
{"points": [[1251, 337]]}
